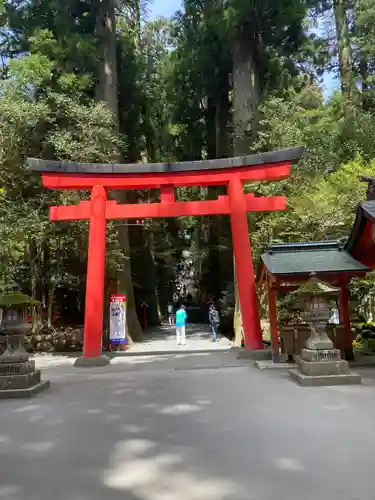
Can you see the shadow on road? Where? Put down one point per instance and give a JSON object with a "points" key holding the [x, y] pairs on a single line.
{"points": [[100, 436], [165, 430]]}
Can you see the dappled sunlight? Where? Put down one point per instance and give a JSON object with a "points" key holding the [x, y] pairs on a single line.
{"points": [[150, 406], [109, 418], [196, 355], [53, 422], [9, 492], [132, 429], [136, 466], [134, 360], [119, 392], [46, 361], [36, 417], [27, 408], [94, 411], [289, 464], [203, 402], [338, 407], [162, 340], [184, 435], [179, 409], [38, 447]]}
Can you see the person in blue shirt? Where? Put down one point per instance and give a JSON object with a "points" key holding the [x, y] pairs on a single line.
{"points": [[181, 317]]}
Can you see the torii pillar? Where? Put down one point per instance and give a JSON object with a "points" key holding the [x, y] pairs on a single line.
{"points": [[244, 265], [94, 304]]}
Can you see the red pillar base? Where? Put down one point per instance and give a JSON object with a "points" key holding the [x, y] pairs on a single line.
{"points": [[272, 311], [345, 320], [83, 362]]}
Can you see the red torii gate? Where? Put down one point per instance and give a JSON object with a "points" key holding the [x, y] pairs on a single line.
{"points": [[231, 172]]}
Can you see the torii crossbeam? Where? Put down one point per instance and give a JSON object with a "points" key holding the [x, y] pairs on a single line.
{"points": [[231, 172]]}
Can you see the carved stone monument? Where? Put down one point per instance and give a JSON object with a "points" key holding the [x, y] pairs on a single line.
{"points": [[18, 376], [320, 364]]}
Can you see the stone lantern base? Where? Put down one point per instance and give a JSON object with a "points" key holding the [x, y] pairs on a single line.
{"points": [[21, 380], [18, 375], [319, 367]]}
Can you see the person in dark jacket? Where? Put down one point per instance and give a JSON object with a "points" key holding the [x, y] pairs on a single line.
{"points": [[214, 319], [170, 314]]}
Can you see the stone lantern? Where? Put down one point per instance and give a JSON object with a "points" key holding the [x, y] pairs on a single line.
{"points": [[185, 254], [18, 376], [320, 363]]}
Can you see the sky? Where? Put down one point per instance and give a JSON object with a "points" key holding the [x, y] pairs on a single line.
{"points": [[166, 8]]}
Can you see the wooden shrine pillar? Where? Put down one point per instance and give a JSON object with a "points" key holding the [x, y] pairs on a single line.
{"points": [[345, 318], [167, 194], [272, 312], [93, 329], [244, 265]]}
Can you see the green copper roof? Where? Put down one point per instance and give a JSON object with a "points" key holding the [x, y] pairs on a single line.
{"points": [[16, 299], [314, 286], [285, 259]]}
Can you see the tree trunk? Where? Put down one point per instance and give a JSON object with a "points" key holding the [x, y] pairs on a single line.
{"points": [[211, 127], [35, 276], [363, 70], [246, 93], [107, 92], [340, 8], [237, 318], [154, 305], [222, 119], [246, 99], [106, 36], [51, 293], [125, 285]]}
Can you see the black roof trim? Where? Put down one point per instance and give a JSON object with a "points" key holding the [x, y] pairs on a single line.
{"points": [[304, 246], [291, 154]]}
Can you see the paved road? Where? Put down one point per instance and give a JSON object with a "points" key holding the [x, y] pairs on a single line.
{"points": [[163, 339], [188, 428]]}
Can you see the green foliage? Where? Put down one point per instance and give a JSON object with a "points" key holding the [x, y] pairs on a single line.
{"points": [[365, 347], [319, 208], [39, 122], [175, 103]]}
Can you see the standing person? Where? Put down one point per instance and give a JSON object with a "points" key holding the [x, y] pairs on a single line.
{"points": [[181, 318], [170, 314], [214, 319]]}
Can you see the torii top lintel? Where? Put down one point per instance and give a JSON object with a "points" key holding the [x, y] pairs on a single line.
{"points": [[260, 167]]}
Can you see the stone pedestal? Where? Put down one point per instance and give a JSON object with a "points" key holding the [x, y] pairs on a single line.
{"points": [[260, 354], [318, 367], [82, 362], [320, 363], [18, 376]]}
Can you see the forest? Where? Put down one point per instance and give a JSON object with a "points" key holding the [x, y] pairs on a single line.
{"points": [[97, 81]]}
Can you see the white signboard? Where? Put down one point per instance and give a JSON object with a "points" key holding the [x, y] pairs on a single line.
{"points": [[117, 327]]}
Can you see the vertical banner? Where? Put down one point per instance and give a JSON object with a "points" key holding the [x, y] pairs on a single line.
{"points": [[117, 314]]}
